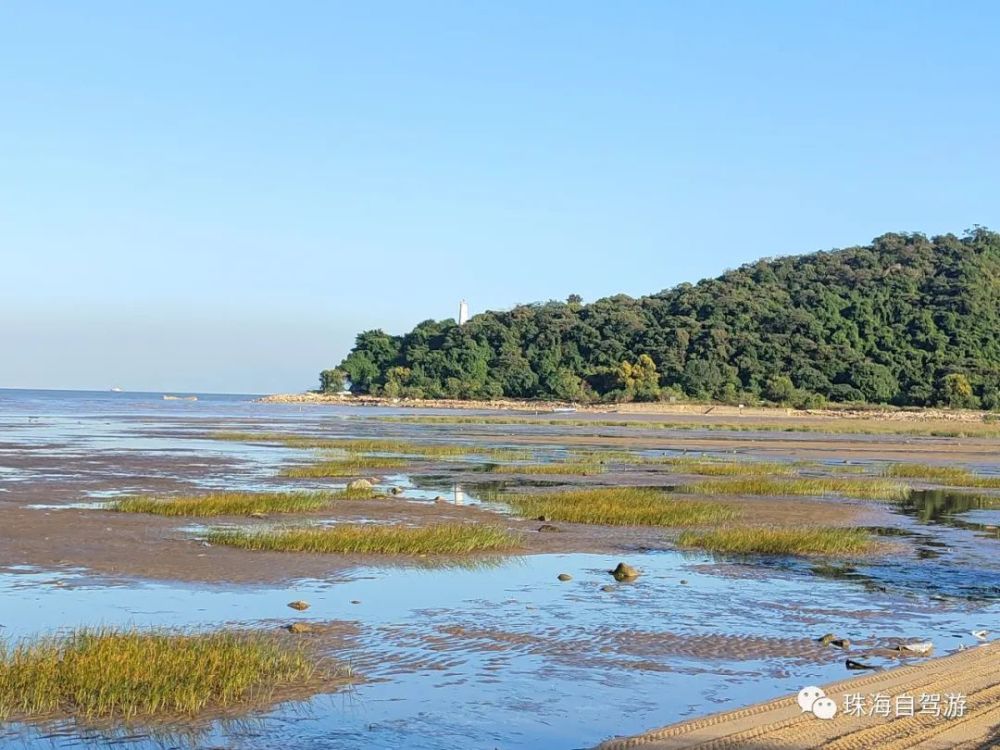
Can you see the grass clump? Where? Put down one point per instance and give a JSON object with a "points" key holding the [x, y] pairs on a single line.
{"points": [[956, 476], [718, 468], [235, 503], [566, 467], [135, 674], [780, 541], [620, 506], [439, 539], [865, 489], [352, 466]]}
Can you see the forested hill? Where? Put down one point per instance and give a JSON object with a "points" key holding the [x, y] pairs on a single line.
{"points": [[905, 320]]}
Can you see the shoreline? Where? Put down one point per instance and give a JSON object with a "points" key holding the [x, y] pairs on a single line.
{"points": [[873, 413], [973, 674]]}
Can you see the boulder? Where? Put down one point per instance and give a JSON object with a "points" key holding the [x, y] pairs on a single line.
{"points": [[360, 484], [565, 577], [299, 605], [624, 572]]}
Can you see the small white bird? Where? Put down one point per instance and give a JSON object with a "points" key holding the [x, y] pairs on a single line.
{"points": [[980, 635]]}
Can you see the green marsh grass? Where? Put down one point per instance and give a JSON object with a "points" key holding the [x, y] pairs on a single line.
{"points": [[351, 466], [865, 489], [721, 468], [135, 674], [575, 468], [620, 506], [954, 476], [372, 539], [704, 465], [235, 503], [780, 541]]}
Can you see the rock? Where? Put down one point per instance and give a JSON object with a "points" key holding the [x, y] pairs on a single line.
{"points": [[565, 577], [684, 582], [299, 627], [355, 601], [624, 572], [851, 664], [547, 527], [360, 484], [607, 589], [299, 605], [825, 640], [841, 643]]}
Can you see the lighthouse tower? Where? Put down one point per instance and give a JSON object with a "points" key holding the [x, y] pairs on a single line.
{"points": [[463, 312]]}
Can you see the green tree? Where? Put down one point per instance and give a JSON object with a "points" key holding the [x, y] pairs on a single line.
{"points": [[332, 381], [956, 391]]}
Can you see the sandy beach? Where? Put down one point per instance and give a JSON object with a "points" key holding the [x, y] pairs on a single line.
{"points": [[930, 723]]}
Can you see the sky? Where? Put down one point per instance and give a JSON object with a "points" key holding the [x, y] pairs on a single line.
{"points": [[218, 196]]}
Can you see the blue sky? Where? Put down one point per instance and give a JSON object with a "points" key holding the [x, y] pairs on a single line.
{"points": [[218, 196]]}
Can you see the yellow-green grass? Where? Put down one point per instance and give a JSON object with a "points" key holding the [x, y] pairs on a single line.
{"points": [[781, 540], [135, 674], [865, 489], [352, 466], [955, 476], [566, 467], [374, 445], [235, 503], [721, 468], [704, 465], [372, 539], [620, 506]]}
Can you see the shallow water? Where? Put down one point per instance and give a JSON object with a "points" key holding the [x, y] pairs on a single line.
{"points": [[510, 654], [494, 656]]}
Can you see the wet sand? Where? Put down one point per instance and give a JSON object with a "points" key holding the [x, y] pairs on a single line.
{"points": [[781, 724], [42, 527]]}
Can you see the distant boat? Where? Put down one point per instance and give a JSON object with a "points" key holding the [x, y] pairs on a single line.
{"points": [[116, 389], [179, 398]]}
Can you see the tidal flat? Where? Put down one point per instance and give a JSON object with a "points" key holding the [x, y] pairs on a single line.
{"points": [[469, 647]]}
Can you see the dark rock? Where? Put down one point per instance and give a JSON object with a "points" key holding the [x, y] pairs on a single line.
{"points": [[624, 572], [851, 664]]}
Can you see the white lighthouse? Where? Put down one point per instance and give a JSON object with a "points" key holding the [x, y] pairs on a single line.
{"points": [[463, 312]]}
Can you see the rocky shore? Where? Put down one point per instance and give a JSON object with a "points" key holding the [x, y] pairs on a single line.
{"points": [[715, 410]]}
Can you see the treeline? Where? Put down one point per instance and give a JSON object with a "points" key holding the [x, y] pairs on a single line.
{"points": [[906, 320]]}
